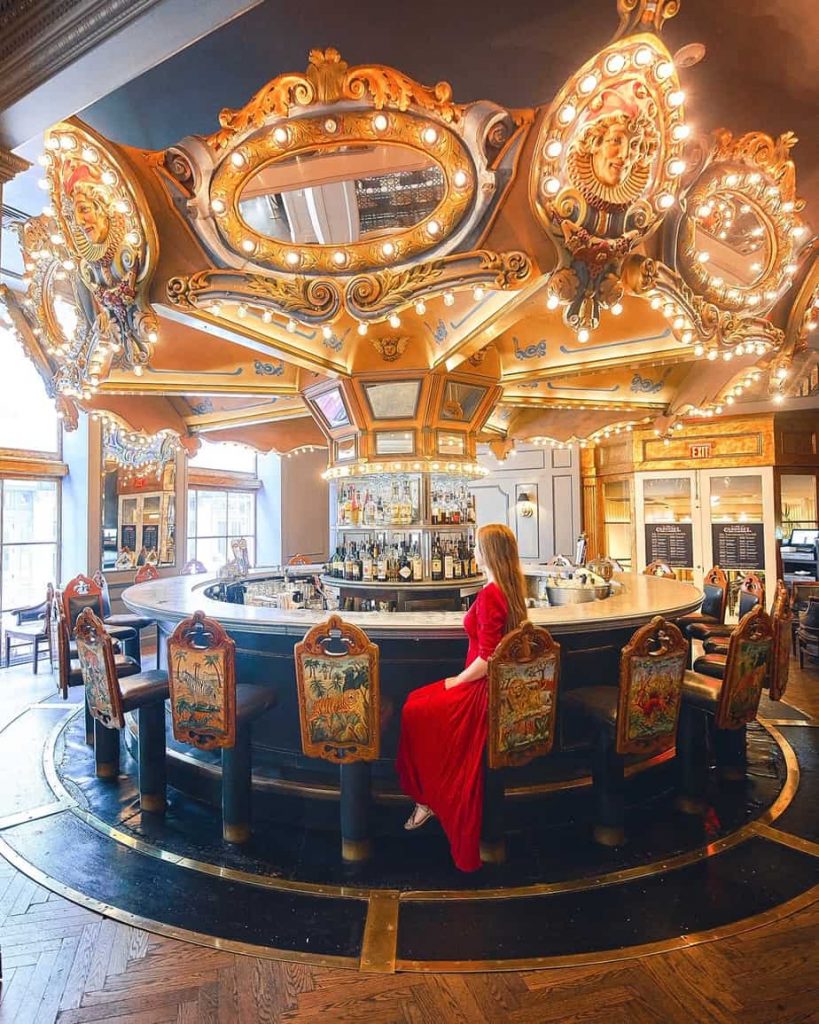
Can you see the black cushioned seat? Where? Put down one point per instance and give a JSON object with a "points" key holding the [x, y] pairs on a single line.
{"points": [[701, 690], [127, 620], [716, 645], [684, 622], [252, 701], [712, 665], [599, 702], [124, 666], [143, 688]]}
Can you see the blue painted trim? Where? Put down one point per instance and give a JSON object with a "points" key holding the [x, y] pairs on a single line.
{"points": [[617, 344]]}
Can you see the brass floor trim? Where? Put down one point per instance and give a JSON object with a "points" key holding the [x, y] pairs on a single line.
{"points": [[33, 814], [748, 924], [795, 708], [351, 892], [378, 947], [778, 835], [804, 723], [170, 931]]}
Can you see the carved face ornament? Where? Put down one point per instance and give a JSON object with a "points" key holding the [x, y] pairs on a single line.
{"points": [[96, 231]]}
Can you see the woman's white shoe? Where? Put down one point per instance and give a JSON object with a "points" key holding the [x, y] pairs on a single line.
{"points": [[420, 816]]}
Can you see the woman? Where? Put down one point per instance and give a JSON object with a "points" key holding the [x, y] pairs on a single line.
{"points": [[443, 725]]}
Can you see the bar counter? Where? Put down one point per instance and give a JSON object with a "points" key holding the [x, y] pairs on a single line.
{"points": [[415, 648]]}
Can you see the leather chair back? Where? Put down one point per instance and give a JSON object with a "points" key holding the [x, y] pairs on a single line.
{"points": [[202, 679], [96, 655], [659, 568], [102, 583], [339, 693], [78, 594], [715, 588], [652, 667], [747, 669], [522, 681], [751, 593]]}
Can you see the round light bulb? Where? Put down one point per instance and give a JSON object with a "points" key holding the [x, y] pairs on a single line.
{"points": [[362, 328], [552, 186], [617, 308], [339, 258], [237, 159], [380, 122], [430, 135], [478, 293], [433, 228], [327, 332], [218, 205], [554, 149], [643, 56], [615, 63], [280, 134], [395, 320], [420, 307], [449, 298], [248, 245], [292, 259], [587, 83], [388, 249], [567, 114], [291, 326], [676, 98], [583, 335], [459, 179], [552, 302]]}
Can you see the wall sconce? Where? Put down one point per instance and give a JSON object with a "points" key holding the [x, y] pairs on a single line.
{"points": [[525, 506]]}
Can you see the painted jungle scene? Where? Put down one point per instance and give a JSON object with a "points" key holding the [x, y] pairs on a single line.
{"points": [[197, 691], [751, 672], [92, 661], [654, 697], [525, 706], [337, 701]]}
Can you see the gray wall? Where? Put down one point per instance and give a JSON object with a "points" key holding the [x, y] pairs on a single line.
{"points": [[305, 505], [551, 478]]}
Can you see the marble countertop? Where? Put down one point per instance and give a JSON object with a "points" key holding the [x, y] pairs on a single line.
{"points": [[174, 598]]}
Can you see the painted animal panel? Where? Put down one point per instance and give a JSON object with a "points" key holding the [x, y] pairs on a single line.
{"points": [[523, 713], [337, 705], [782, 658], [744, 691], [97, 693], [653, 703], [198, 694]]}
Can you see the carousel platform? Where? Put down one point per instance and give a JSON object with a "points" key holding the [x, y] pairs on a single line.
{"points": [[559, 899]]}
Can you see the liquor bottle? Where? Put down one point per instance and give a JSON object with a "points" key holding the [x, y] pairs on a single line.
{"points": [[338, 563], [355, 508], [457, 561], [379, 511], [465, 559], [369, 509], [357, 563], [347, 514], [417, 564], [406, 505], [473, 565], [367, 565], [395, 511], [348, 563], [404, 567], [471, 516], [382, 564], [437, 560], [435, 511], [449, 567]]}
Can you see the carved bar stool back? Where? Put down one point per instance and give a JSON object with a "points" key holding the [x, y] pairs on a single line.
{"points": [[715, 638], [712, 610], [337, 678], [729, 703], [146, 573], [807, 635], [126, 619], [522, 684], [781, 619], [82, 592], [659, 568], [110, 692], [801, 594], [210, 711], [193, 567], [639, 716]]}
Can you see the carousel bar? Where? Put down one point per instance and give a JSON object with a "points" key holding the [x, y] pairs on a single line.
{"points": [[409, 549]]}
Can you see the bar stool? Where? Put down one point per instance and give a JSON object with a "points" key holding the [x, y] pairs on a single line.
{"points": [[69, 671], [128, 619], [661, 569], [715, 638], [210, 711], [782, 618], [337, 680], [146, 573], [109, 695], [82, 592], [807, 635], [729, 703], [522, 685], [714, 603], [801, 594], [639, 716], [30, 629]]}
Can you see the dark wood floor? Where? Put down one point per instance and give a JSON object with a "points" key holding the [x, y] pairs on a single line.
{"points": [[64, 963]]}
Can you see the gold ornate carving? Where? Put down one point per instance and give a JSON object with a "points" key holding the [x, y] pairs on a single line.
{"points": [[352, 128], [391, 347], [329, 79], [751, 177], [309, 298], [644, 15], [106, 228]]}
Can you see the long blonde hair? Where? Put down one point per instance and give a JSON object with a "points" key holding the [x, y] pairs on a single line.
{"points": [[499, 551]]}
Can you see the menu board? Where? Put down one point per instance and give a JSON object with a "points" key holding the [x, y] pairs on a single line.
{"points": [[739, 545], [150, 537], [128, 534], [671, 543]]}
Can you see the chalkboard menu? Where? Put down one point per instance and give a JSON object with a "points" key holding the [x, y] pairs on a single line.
{"points": [[739, 545], [128, 534], [671, 543], [150, 537]]}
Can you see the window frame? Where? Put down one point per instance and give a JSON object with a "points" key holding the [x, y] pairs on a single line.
{"points": [[236, 487], [56, 543]]}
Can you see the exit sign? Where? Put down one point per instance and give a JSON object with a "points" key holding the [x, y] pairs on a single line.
{"points": [[700, 451]]}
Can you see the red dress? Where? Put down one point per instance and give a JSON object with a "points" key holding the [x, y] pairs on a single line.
{"points": [[443, 736]]}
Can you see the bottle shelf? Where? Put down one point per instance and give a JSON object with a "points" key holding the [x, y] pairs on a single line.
{"points": [[471, 582], [415, 528]]}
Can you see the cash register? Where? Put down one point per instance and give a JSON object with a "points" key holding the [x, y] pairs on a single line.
{"points": [[800, 556]]}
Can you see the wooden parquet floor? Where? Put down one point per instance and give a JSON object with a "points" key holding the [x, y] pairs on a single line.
{"points": [[66, 964]]}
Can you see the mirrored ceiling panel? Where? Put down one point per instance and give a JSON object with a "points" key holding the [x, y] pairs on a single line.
{"points": [[341, 195], [396, 400]]}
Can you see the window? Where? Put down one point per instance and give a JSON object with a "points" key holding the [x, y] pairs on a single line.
{"points": [[236, 458], [28, 420], [28, 540], [215, 518]]}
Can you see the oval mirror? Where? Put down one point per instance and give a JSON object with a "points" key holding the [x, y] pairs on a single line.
{"points": [[342, 194], [732, 239], [62, 310]]}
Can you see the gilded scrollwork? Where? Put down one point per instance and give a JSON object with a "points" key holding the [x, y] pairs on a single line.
{"points": [[311, 299], [644, 15], [736, 239], [329, 79]]}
